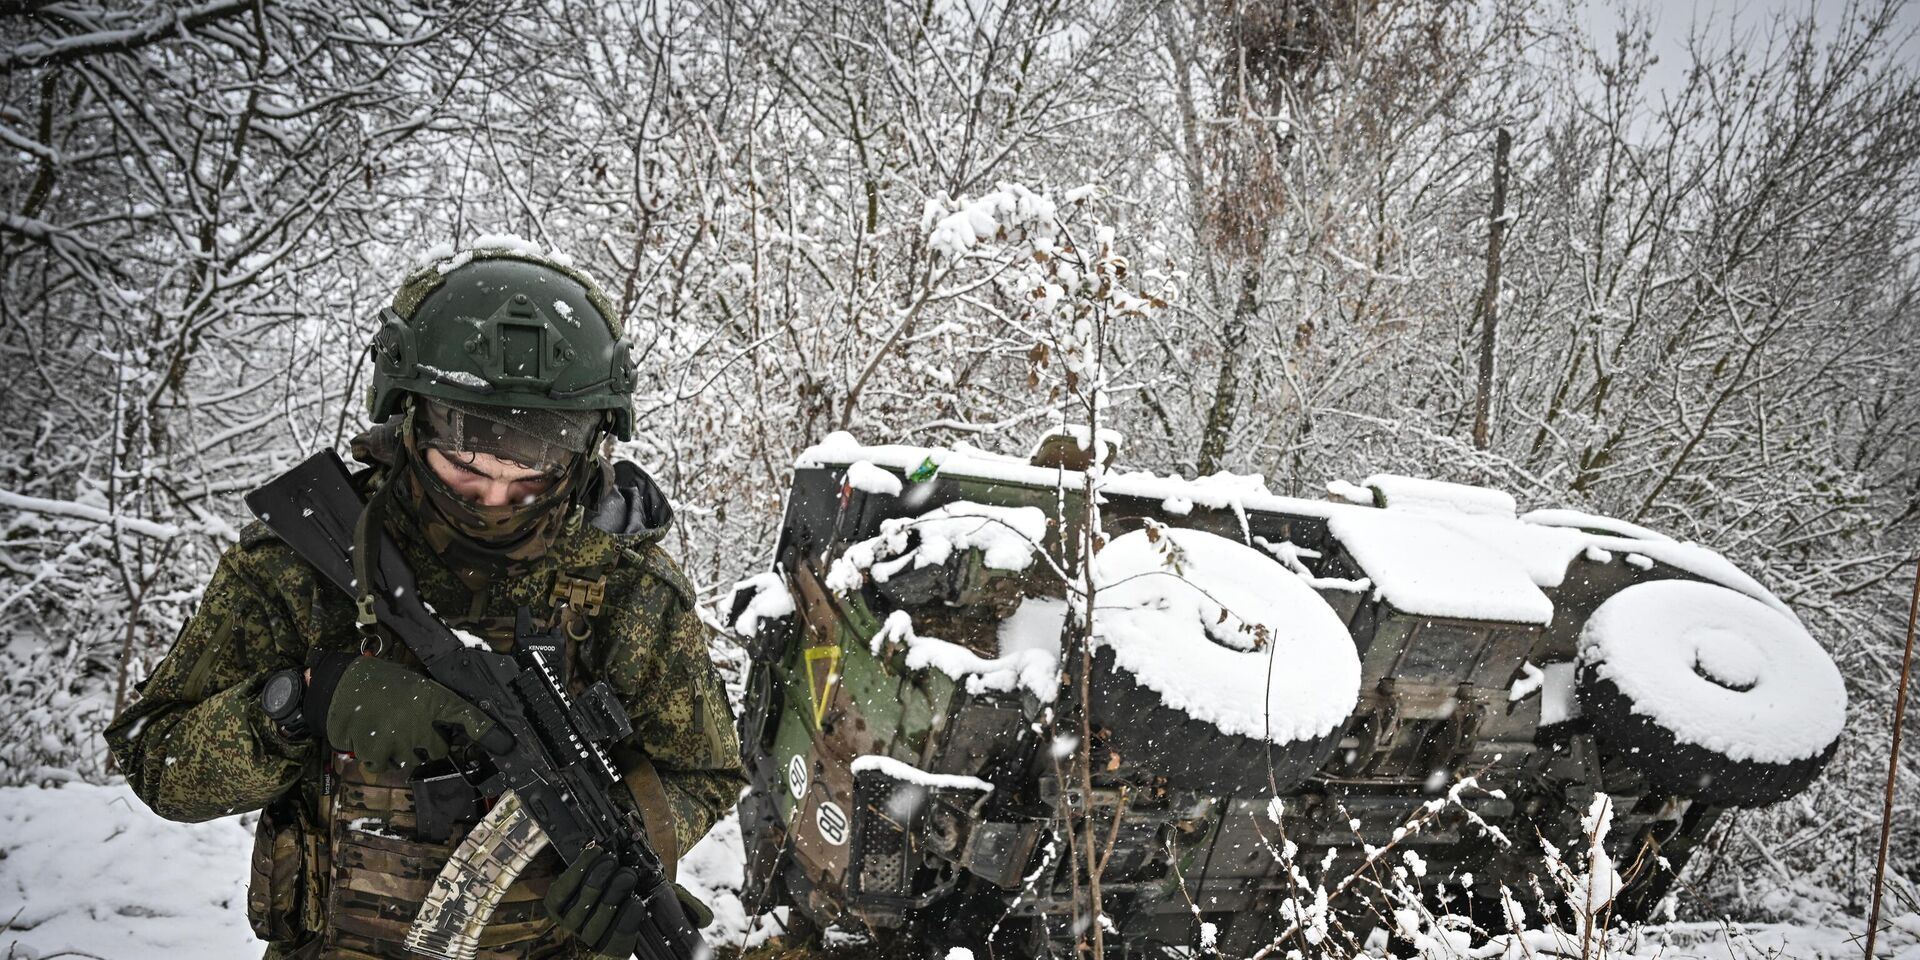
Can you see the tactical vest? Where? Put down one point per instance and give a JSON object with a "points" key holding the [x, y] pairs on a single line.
{"points": [[380, 873], [381, 869]]}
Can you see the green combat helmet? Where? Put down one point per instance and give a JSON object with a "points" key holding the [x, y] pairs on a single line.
{"points": [[503, 328]]}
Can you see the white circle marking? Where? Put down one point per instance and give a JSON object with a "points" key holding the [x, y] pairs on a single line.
{"points": [[832, 822], [797, 776]]}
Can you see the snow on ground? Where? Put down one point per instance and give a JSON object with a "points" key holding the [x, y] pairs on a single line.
{"points": [[89, 871], [1899, 940], [714, 870]]}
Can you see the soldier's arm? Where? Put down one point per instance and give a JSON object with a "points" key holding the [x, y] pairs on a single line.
{"points": [[197, 745], [659, 665]]}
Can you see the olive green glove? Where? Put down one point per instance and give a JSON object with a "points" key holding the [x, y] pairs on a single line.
{"points": [[389, 716], [595, 900]]}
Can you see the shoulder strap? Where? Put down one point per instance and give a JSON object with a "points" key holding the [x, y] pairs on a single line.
{"points": [[574, 604], [366, 531]]}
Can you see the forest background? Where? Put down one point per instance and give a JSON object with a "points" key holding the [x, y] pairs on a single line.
{"points": [[1695, 309]]}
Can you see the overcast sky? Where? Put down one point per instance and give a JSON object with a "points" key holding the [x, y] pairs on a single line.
{"points": [[1727, 22]]}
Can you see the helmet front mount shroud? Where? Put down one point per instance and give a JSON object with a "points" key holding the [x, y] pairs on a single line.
{"points": [[503, 329]]}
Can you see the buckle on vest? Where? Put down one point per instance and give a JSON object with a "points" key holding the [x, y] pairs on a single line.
{"points": [[583, 595]]}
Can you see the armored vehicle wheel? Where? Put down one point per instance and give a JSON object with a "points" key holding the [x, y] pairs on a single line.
{"points": [[1709, 693], [1216, 667]]}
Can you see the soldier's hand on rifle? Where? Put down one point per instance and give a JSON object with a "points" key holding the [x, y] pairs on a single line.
{"points": [[595, 901], [387, 715]]}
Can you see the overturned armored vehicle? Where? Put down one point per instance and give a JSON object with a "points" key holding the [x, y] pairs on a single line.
{"points": [[1410, 666]]}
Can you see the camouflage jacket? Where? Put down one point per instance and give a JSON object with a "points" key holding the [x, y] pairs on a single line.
{"points": [[197, 745]]}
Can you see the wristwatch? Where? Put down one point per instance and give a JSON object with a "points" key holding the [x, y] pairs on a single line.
{"points": [[280, 698]]}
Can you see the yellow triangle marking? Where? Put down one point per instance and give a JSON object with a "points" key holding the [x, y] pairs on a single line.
{"points": [[823, 672]]}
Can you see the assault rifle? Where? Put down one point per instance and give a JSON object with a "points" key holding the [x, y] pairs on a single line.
{"points": [[554, 784]]}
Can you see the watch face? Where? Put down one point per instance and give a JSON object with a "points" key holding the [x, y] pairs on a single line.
{"points": [[278, 695]]}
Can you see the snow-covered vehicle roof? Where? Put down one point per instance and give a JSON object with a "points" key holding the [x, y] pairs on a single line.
{"points": [[1428, 547]]}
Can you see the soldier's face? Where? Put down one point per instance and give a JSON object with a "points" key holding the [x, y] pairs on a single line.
{"points": [[485, 480]]}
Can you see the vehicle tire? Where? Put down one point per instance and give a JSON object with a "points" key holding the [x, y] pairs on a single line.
{"points": [[1193, 754], [1709, 693], [1214, 666]]}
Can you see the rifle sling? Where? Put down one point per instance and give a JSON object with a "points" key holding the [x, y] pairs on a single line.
{"points": [[366, 545], [650, 794]]}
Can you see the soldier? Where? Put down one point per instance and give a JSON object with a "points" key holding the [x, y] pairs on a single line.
{"points": [[497, 378]]}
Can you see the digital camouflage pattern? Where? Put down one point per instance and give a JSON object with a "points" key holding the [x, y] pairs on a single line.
{"points": [[197, 744]]}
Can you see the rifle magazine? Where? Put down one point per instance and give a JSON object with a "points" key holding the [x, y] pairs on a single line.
{"points": [[470, 886]]}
